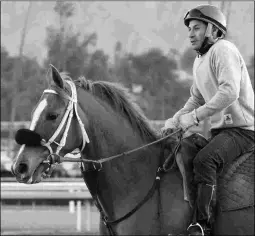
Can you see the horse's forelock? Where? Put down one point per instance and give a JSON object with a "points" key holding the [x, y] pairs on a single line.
{"points": [[84, 83]]}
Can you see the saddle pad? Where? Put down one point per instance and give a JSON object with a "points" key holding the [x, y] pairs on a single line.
{"points": [[236, 185]]}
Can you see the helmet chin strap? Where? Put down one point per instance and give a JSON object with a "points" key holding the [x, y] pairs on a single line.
{"points": [[208, 32], [208, 40]]}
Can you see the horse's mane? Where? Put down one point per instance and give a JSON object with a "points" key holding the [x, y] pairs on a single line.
{"points": [[122, 101]]}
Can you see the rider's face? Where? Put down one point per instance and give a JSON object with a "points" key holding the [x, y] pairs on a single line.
{"points": [[196, 33]]}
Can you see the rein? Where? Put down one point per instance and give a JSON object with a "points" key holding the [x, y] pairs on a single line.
{"points": [[56, 158]]}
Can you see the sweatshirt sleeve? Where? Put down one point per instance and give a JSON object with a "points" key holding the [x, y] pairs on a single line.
{"points": [[195, 100], [227, 68]]}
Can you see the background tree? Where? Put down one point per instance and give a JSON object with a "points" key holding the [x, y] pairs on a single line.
{"points": [[32, 83], [117, 54], [67, 50], [15, 80], [7, 66], [98, 68], [187, 60], [125, 72], [228, 12], [157, 74], [64, 10]]}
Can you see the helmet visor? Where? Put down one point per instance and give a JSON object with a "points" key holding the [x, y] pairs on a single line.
{"points": [[194, 13]]}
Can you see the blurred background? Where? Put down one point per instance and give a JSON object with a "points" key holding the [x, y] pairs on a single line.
{"points": [[142, 45]]}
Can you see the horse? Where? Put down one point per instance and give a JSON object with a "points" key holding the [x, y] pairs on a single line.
{"points": [[103, 121]]}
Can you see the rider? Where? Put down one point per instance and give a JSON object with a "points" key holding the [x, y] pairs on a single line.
{"points": [[221, 90]]}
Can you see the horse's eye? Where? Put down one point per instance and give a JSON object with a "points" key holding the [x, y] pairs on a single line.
{"points": [[52, 116]]}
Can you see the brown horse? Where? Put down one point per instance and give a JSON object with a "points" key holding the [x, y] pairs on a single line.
{"points": [[102, 120]]}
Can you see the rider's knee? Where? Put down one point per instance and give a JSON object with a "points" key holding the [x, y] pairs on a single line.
{"points": [[203, 160]]}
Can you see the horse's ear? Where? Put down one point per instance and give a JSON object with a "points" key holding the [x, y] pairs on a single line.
{"points": [[56, 77]]}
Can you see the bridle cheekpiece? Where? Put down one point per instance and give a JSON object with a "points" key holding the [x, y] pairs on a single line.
{"points": [[67, 118]]}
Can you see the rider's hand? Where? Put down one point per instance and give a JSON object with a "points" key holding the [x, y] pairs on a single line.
{"points": [[186, 121], [170, 126]]}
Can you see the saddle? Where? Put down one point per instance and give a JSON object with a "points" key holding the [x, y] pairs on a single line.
{"points": [[235, 183]]}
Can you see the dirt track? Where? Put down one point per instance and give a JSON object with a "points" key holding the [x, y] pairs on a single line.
{"points": [[44, 220]]}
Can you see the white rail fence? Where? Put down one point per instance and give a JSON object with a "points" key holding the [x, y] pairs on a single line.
{"points": [[6, 125], [202, 128], [76, 192]]}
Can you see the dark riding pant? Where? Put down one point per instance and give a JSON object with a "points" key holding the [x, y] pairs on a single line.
{"points": [[224, 146]]}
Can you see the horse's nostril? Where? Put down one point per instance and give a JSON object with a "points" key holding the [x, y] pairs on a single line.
{"points": [[22, 168]]}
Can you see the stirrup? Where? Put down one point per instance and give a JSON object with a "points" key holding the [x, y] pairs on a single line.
{"points": [[196, 225]]}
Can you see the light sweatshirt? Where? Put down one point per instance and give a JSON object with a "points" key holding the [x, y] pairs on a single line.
{"points": [[222, 88]]}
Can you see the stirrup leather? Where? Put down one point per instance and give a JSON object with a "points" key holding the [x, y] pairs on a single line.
{"points": [[198, 225]]}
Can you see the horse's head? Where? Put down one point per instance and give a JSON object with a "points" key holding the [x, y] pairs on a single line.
{"points": [[56, 129]]}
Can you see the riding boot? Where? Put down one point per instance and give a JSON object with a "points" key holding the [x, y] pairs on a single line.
{"points": [[204, 211]]}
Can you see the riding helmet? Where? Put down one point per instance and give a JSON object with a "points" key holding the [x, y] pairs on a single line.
{"points": [[207, 13]]}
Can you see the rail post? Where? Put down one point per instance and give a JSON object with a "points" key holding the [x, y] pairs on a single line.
{"points": [[88, 215], [78, 222], [71, 204]]}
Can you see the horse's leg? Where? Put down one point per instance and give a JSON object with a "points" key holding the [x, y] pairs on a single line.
{"points": [[239, 222]]}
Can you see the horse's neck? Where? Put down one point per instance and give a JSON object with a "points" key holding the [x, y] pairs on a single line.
{"points": [[127, 178]]}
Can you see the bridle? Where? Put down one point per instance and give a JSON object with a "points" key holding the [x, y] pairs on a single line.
{"points": [[55, 158], [67, 118], [71, 108]]}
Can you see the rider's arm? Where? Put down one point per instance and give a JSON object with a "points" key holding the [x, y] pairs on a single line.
{"points": [[196, 100], [227, 69]]}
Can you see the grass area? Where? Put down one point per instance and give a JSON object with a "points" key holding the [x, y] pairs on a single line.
{"points": [[45, 220]]}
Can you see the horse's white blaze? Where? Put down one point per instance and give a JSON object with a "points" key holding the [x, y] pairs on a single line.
{"points": [[30, 180], [21, 149], [38, 111], [17, 156]]}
